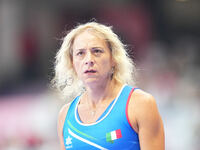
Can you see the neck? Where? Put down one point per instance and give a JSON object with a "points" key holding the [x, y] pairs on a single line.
{"points": [[105, 91]]}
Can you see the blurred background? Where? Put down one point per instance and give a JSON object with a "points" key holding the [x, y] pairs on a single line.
{"points": [[163, 37]]}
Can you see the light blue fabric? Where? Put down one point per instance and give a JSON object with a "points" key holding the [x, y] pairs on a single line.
{"points": [[78, 135]]}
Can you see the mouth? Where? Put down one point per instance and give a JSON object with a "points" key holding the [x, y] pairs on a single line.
{"points": [[90, 71]]}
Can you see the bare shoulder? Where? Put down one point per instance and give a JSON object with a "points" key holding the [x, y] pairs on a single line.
{"points": [[142, 96], [62, 115], [63, 112], [64, 109], [61, 119], [142, 109], [144, 101], [146, 120], [141, 99]]}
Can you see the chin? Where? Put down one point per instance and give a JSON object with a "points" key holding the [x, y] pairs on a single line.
{"points": [[91, 81]]}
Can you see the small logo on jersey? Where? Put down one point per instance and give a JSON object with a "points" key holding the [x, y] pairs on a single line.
{"points": [[113, 135], [68, 142]]}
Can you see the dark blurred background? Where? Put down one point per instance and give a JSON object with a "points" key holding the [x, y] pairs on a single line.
{"points": [[163, 37]]}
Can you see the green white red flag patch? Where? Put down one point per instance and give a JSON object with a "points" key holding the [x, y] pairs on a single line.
{"points": [[113, 135]]}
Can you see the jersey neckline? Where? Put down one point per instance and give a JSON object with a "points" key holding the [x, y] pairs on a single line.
{"points": [[94, 123]]}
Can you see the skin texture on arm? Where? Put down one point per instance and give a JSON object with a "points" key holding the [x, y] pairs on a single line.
{"points": [[146, 121], [61, 119]]}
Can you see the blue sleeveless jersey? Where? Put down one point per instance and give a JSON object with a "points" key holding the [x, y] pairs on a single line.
{"points": [[113, 131]]}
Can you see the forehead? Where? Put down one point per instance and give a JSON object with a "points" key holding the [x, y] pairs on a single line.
{"points": [[88, 38]]}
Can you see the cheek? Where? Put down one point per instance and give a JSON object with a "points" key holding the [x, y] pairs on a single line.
{"points": [[75, 66], [106, 63], [74, 63]]}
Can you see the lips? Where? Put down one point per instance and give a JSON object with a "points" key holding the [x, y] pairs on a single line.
{"points": [[90, 71]]}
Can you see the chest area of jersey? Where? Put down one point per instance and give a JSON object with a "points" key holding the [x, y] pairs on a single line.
{"points": [[109, 136]]}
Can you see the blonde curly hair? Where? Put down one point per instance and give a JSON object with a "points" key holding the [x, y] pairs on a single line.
{"points": [[66, 80]]}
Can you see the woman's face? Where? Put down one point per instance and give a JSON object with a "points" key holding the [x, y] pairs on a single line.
{"points": [[92, 59]]}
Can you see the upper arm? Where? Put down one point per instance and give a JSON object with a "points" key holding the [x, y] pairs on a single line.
{"points": [[145, 115], [61, 119]]}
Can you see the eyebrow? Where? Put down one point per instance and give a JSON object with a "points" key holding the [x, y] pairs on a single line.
{"points": [[80, 49], [97, 47]]}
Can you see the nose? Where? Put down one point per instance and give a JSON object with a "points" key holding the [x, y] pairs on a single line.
{"points": [[89, 59]]}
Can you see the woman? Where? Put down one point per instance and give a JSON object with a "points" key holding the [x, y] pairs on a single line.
{"points": [[107, 113]]}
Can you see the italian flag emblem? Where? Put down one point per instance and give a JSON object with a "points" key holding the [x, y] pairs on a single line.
{"points": [[113, 135]]}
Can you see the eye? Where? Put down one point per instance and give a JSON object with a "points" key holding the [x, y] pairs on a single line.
{"points": [[97, 50], [80, 53]]}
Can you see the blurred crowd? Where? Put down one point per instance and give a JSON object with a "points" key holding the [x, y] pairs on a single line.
{"points": [[166, 55]]}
